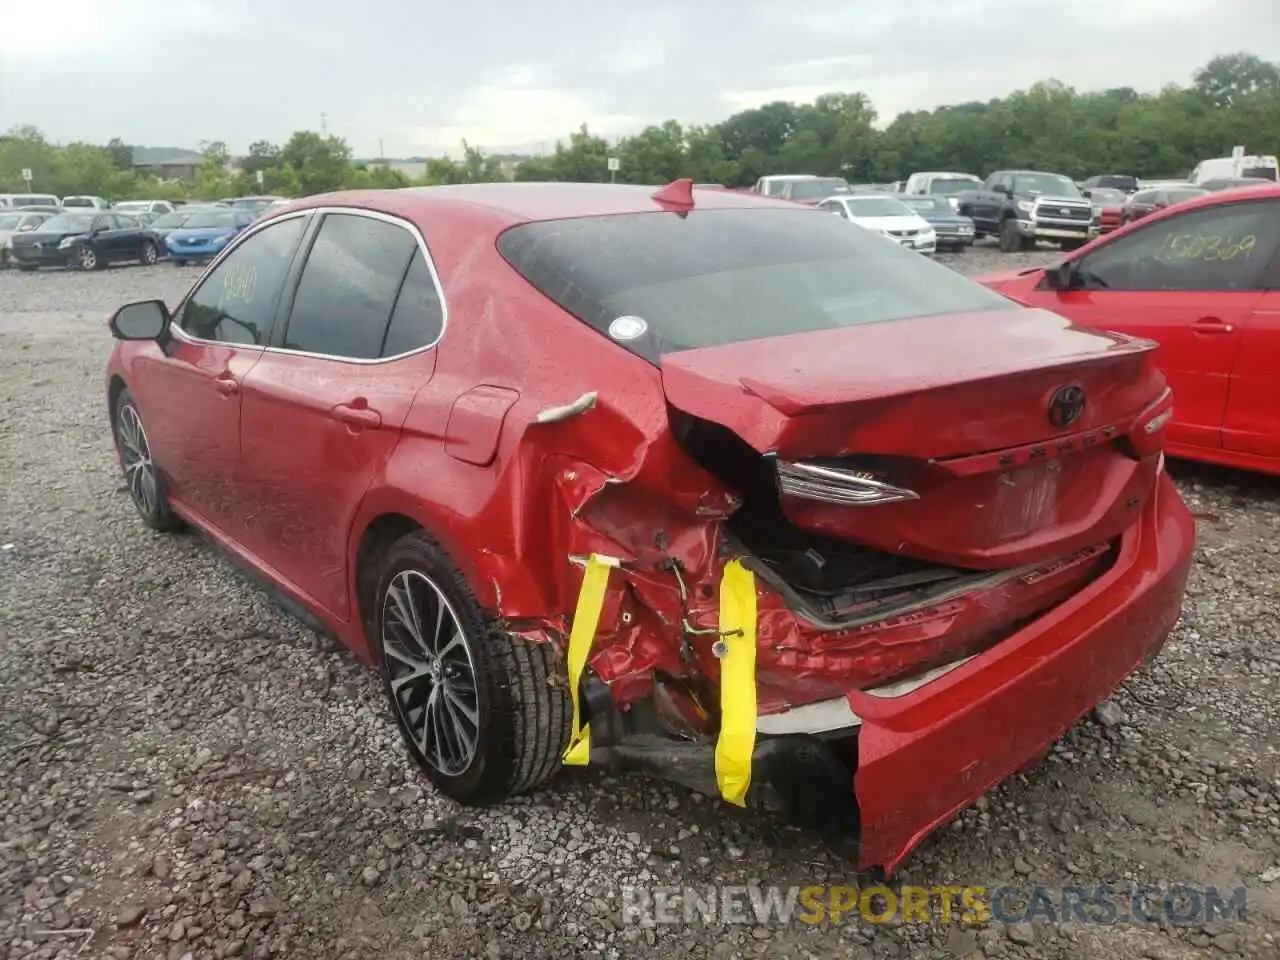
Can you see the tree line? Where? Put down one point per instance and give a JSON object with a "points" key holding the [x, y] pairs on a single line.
{"points": [[1233, 99]]}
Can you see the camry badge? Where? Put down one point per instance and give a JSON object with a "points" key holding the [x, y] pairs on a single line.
{"points": [[1066, 405]]}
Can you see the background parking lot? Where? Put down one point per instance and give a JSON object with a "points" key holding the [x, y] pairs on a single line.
{"points": [[185, 771]]}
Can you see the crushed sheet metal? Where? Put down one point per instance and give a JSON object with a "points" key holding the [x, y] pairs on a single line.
{"points": [[737, 741], [586, 618]]}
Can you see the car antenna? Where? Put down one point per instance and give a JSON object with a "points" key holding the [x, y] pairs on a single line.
{"points": [[678, 194]]}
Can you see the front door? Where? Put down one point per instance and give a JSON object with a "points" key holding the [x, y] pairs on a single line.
{"points": [[220, 331], [324, 408]]}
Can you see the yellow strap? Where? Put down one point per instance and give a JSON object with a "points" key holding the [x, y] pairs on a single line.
{"points": [[586, 619], [737, 741]]}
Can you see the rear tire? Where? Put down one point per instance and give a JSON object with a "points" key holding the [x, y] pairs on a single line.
{"points": [[499, 735]]}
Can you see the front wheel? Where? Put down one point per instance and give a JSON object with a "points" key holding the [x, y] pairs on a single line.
{"points": [[1010, 238], [146, 484], [87, 259], [149, 253], [485, 714]]}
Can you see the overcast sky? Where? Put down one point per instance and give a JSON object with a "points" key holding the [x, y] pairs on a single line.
{"points": [[423, 74]]}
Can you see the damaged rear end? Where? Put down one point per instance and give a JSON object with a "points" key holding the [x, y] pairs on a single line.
{"points": [[926, 480]]}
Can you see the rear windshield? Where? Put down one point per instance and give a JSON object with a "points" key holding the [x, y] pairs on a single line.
{"points": [[721, 276], [1262, 173]]}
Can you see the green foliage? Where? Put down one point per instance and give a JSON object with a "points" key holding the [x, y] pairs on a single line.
{"points": [[1234, 99]]}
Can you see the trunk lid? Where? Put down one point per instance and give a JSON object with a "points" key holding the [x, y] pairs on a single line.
{"points": [[965, 413]]}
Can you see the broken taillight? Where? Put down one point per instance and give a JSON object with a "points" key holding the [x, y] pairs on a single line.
{"points": [[827, 484]]}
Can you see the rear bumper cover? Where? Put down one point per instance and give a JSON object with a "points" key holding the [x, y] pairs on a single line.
{"points": [[926, 755]]}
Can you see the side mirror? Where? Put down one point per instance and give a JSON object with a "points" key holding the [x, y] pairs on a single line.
{"points": [[1060, 277], [144, 320], [1088, 194]]}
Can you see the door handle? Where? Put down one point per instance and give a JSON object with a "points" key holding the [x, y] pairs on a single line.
{"points": [[1212, 325], [364, 417], [227, 385]]}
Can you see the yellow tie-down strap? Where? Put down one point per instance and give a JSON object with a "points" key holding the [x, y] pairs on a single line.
{"points": [[586, 620], [737, 651]]}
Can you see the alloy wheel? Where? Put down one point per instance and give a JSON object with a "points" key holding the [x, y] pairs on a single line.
{"points": [[135, 458], [88, 259], [432, 673], [149, 255]]}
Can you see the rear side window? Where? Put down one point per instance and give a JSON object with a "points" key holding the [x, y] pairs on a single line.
{"points": [[349, 286], [719, 276], [1261, 173], [418, 317]]}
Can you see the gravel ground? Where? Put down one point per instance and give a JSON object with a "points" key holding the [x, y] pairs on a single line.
{"points": [[186, 772]]}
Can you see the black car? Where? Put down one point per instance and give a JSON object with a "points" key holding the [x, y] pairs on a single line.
{"points": [[89, 241], [954, 232]]}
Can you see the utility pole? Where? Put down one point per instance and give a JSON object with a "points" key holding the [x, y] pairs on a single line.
{"points": [[324, 124], [381, 153]]}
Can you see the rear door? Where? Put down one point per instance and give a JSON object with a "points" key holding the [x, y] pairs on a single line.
{"points": [[324, 407], [190, 394], [1188, 282]]}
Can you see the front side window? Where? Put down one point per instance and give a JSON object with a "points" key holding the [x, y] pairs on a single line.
{"points": [[1217, 249], [236, 303], [348, 287], [720, 276]]}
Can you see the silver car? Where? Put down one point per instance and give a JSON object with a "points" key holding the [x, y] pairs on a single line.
{"points": [[17, 221]]}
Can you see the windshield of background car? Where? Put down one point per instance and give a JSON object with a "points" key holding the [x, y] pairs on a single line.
{"points": [[1261, 173], [878, 207], [818, 189], [213, 220], [1119, 183], [927, 204], [949, 185], [721, 276], [1106, 195], [68, 223], [1045, 184], [171, 221], [10, 222], [77, 202], [1177, 196]]}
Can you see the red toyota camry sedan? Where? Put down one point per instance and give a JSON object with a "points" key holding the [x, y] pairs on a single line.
{"points": [[706, 483], [1202, 279]]}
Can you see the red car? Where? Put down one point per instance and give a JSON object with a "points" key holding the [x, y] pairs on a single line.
{"points": [[1108, 208], [1203, 280], [709, 484]]}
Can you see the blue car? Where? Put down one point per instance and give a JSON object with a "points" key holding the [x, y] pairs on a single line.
{"points": [[204, 234]]}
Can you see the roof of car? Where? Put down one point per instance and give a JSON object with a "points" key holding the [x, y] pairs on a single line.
{"points": [[519, 202]]}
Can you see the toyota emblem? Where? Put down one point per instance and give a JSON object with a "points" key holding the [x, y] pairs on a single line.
{"points": [[1066, 405]]}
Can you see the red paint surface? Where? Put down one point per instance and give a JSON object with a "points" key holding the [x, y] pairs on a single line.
{"points": [[1220, 350], [289, 471]]}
